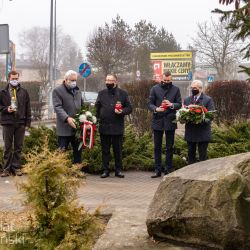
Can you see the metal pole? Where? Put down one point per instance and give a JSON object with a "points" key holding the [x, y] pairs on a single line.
{"points": [[54, 82], [50, 62], [51, 45], [84, 88]]}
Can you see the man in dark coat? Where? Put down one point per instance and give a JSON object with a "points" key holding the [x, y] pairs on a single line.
{"points": [[15, 117], [198, 134], [112, 105], [67, 101], [164, 100]]}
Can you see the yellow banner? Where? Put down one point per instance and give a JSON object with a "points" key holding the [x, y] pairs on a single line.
{"points": [[180, 67], [172, 55]]}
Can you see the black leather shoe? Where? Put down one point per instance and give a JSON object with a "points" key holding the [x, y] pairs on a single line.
{"points": [[120, 175], [168, 171], [156, 175], [5, 173], [18, 172], [104, 175]]}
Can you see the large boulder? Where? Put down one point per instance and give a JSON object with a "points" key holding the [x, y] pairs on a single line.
{"points": [[205, 204]]}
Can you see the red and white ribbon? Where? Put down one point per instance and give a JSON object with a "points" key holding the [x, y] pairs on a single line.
{"points": [[88, 133]]}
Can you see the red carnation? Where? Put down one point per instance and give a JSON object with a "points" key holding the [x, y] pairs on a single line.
{"points": [[205, 110], [197, 111]]}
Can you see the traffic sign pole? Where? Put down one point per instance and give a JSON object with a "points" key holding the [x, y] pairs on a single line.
{"points": [[84, 71], [84, 88]]}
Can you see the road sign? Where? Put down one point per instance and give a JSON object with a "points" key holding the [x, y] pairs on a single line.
{"points": [[84, 70], [210, 78], [190, 76]]}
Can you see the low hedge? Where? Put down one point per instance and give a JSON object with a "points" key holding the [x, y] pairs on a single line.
{"points": [[138, 150]]}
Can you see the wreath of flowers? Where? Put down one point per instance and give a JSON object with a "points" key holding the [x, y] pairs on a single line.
{"points": [[85, 128], [194, 114]]}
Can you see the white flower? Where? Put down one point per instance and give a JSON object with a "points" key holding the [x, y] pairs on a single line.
{"points": [[94, 119], [184, 110], [178, 114], [82, 118], [88, 114]]}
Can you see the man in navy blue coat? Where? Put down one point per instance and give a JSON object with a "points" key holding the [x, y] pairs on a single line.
{"points": [[198, 134], [164, 100]]}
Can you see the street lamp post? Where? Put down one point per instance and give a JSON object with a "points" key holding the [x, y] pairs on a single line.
{"points": [[51, 44], [52, 56], [54, 68]]}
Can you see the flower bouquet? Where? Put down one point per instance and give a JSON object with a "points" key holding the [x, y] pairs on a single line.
{"points": [[194, 114], [85, 128]]}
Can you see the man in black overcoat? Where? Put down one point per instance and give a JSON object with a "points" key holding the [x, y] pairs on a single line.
{"points": [[112, 105]]}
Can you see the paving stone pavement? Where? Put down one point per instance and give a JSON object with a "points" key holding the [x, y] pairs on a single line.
{"points": [[126, 199], [134, 191]]}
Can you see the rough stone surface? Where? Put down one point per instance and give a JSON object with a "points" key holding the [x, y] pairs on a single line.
{"points": [[127, 230], [206, 204]]}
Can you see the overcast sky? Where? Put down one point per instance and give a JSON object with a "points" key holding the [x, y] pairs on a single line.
{"points": [[78, 18]]}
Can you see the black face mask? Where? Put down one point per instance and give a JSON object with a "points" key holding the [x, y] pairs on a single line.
{"points": [[166, 84], [110, 85], [195, 91]]}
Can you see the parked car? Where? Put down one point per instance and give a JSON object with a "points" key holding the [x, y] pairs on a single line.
{"points": [[89, 97]]}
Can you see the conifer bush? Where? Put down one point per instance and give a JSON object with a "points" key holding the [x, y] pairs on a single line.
{"points": [[138, 153], [229, 140], [138, 150], [51, 193], [35, 141]]}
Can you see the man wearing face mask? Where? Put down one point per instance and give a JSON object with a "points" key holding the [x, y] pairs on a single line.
{"points": [[198, 134], [67, 100], [112, 105], [164, 100], [15, 117]]}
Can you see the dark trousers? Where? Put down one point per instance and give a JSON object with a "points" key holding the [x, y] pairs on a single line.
{"points": [[63, 142], [158, 134], [12, 157], [202, 150], [116, 142]]}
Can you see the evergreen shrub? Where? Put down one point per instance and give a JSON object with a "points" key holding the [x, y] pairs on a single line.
{"points": [[51, 194], [138, 150]]}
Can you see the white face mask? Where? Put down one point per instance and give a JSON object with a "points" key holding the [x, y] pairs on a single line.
{"points": [[14, 83], [72, 84]]}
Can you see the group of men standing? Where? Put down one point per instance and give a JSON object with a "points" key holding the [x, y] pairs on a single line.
{"points": [[164, 101]]}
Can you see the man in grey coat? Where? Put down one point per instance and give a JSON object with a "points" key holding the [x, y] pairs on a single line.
{"points": [[164, 100], [67, 101], [198, 134]]}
